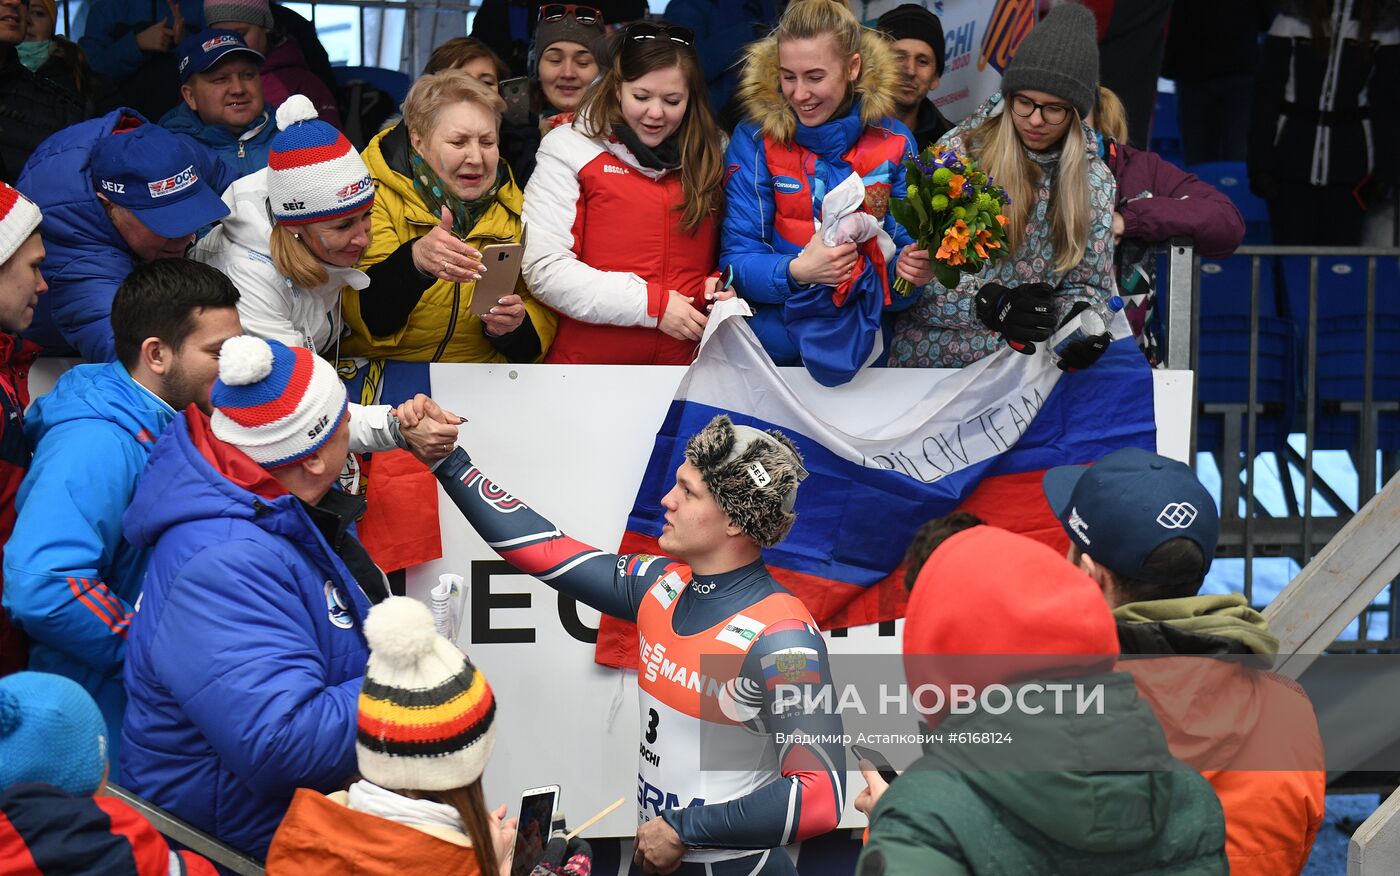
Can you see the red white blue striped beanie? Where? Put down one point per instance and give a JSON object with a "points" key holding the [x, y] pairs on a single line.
{"points": [[313, 173], [276, 404], [18, 219]]}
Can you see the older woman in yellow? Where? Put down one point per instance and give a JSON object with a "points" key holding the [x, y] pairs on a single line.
{"points": [[443, 194]]}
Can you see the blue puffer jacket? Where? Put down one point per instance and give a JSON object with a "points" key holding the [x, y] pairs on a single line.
{"points": [[242, 153], [246, 655], [85, 258], [801, 324], [71, 578]]}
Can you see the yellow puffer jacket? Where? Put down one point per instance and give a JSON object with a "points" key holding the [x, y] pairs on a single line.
{"points": [[442, 327]]}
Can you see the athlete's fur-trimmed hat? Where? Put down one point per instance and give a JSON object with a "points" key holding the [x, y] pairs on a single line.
{"points": [[752, 474]]}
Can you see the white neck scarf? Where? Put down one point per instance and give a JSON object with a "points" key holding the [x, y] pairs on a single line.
{"points": [[370, 798]]}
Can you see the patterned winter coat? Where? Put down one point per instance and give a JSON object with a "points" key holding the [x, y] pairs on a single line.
{"points": [[942, 329]]}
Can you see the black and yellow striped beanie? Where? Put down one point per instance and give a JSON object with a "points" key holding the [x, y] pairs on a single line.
{"points": [[426, 714]]}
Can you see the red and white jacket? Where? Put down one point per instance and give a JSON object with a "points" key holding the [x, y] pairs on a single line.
{"points": [[604, 246]]}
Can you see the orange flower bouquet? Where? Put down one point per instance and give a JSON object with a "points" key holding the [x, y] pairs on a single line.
{"points": [[953, 210]]}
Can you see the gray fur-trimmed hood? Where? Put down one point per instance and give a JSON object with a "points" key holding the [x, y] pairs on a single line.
{"points": [[753, 478], [760, 90]]}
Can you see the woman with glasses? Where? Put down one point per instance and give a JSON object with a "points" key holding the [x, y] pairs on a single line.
{"points": [[623, 209], [1031, 138], [818, 94], [442, 194]]}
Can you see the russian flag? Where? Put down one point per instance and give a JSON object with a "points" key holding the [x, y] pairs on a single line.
{"points": [[977, 440]]}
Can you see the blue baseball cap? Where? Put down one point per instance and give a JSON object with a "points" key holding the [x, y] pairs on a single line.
{"points": [[1123, 507], [154, 174], [200, 51]]}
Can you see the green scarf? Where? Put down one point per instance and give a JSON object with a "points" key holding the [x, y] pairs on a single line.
{"points": [[35, 54], [434, 192], [1227, 615]]}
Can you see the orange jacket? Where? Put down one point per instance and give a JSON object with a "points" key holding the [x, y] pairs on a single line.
{"points": [[322, 837], [1251, 733]]}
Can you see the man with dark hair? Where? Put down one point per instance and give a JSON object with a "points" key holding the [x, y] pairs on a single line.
{"points": [[929, 537], [71, 578], [1145, 529], [916, 37]]}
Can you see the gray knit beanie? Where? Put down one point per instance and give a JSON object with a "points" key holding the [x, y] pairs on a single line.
{"points": [[1060, 56], [568, 29], [752, 474]]}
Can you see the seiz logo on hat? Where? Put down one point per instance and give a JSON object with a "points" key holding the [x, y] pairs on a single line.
{"points": [[758, 474], [115, 188], [219, 42], [1080, 527], [1177, 515], [786, 184], [319, 427], [184, 62], [172, 184], [354, 189]]}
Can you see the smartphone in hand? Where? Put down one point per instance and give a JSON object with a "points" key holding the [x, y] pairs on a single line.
{"points": [[502, 262], [877, 760], [537, 808]]}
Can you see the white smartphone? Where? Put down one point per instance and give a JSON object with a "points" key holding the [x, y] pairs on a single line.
{"points": [[537, 808]]}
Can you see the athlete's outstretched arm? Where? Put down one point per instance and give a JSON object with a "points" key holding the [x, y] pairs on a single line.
{"points": [[536, 547], [783, 674]]}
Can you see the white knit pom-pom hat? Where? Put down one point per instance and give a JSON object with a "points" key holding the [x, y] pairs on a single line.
{"points": [[276, 404], [426, 715], [313, 173]]}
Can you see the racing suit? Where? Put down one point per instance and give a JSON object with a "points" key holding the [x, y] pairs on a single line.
{"points": [[739, 753]]}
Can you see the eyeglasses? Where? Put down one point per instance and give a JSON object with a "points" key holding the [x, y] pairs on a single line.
{"points": [[641, 30], [1052, 113], [582, 14]]}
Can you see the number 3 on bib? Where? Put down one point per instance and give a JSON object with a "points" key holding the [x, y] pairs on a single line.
{"points": [[651, 726]]}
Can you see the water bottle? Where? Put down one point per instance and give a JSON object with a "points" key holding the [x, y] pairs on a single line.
{"points": [[1090, 321]]}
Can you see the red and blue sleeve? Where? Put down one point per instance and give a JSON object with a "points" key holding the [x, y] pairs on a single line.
{"points": [[612, 584]]}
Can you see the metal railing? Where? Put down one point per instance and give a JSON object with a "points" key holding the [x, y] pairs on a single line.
{"points": [[1300, 531], [190, 837]]}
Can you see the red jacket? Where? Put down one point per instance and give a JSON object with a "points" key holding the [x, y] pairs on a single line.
{"points": [[604, 246], [16, 356], [44, 830]]}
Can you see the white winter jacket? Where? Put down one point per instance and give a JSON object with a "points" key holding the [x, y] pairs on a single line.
{"points": [[271, 306]]}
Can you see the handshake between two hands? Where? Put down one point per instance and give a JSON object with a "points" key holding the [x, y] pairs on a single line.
{"points": [[428, 429]]}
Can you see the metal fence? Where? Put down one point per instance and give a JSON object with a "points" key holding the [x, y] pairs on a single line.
{"points": [[1317, 333]]}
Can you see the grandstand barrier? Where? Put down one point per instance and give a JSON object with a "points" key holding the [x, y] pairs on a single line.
{"points": [[188, 836]]}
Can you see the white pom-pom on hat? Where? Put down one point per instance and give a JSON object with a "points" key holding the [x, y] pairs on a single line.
{"points": [[400, 631], [297, 108], [244, 360]]}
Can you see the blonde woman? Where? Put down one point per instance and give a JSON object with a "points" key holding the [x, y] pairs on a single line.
{"points": [[442, 194], [818, 94], [1032, 139]]}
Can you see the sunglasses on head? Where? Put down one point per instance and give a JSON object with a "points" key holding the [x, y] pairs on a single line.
{"points": [[641, 30], [582, 14]]}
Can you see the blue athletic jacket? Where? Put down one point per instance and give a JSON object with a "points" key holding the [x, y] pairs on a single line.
{"points": [[109, 36], [85, 258], [242, 153], [800, 324], [246, 655], [71, 578]]}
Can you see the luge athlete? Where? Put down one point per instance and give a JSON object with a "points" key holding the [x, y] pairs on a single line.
{"points": [[720, 639]]}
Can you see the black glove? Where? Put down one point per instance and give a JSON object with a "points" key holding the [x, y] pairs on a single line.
{"points": [[1023, 314], [561, 858], [1081, 354]]}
